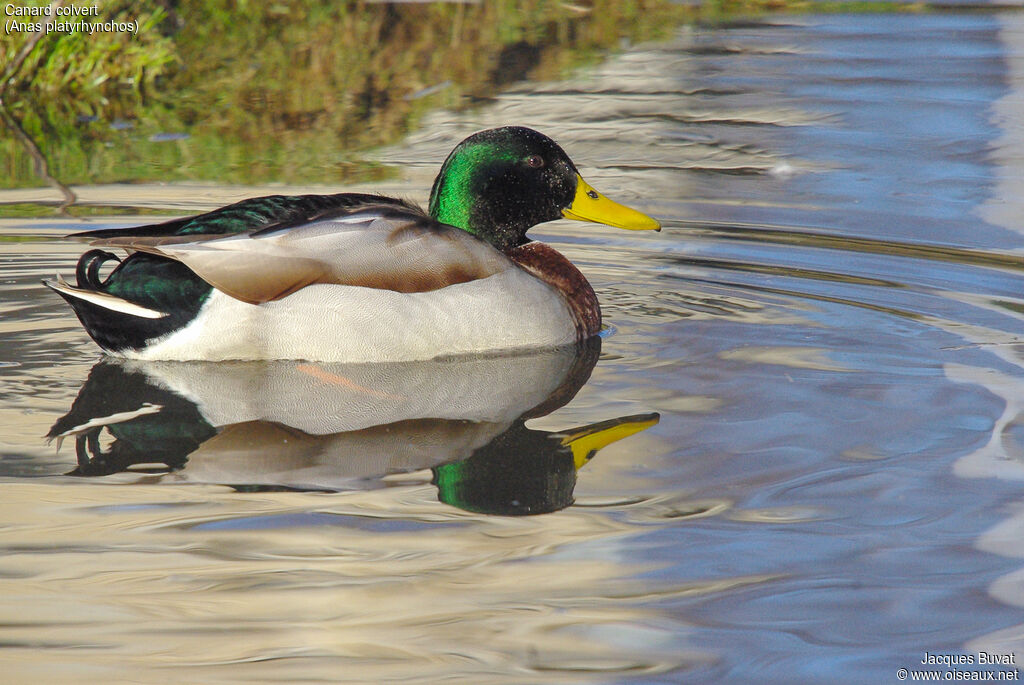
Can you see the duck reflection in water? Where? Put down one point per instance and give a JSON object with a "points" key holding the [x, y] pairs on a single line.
{"points": [[331, 427]]}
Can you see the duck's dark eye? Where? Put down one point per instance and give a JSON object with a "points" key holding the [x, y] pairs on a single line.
{"points": [[536, 161]]}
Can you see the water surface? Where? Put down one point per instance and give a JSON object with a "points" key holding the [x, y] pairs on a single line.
{"points": [[829, 327]]}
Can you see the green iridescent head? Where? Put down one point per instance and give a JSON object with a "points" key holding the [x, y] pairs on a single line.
{"points": [[499, 183]]}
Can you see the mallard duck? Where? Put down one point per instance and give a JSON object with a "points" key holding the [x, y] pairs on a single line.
{"points": [[358, 277]]}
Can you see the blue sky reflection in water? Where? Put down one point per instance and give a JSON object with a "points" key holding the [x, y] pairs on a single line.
{"points": [[828, 327]]}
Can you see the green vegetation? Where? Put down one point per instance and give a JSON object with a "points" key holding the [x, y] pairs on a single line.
{"points": [[78, 70], [245, 91]]}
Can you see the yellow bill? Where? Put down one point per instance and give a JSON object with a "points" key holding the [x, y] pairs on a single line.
{"points": [[586, 441], [590, 205]]}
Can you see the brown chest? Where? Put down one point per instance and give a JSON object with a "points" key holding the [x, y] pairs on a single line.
{"points": [[550, 266]]}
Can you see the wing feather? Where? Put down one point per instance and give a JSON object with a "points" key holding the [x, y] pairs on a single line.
{"points": [[374, 248]]}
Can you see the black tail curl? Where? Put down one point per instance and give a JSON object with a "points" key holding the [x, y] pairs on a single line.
{"points": [[87, 272]]}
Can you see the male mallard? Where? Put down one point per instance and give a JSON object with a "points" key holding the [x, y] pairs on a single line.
{"points": [[354, 277]]}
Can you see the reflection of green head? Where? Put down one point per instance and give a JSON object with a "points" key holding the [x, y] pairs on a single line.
{"points": [[523, 471]]}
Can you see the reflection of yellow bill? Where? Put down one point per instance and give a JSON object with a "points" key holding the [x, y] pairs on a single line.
{"points": [[590, 205], [586, 441]]}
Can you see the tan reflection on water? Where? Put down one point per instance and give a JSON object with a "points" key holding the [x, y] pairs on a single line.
{"points": [[794, 357], [104, 586]]}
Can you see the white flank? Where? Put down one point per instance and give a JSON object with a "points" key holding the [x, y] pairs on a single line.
{"points": [[509, 310], [104, 300]]}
